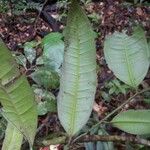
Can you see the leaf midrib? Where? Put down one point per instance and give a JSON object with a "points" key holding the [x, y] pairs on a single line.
{"points": [[75, 100], [17, 113], [116, 122], [129, 64]]}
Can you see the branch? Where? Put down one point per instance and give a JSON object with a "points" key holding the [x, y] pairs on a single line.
{"points": [[94, 138], [112, 113], [113, 138], [121, 106]]}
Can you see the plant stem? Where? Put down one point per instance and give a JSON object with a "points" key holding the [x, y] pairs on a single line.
{"points": [[103, 138], [113, 138]]}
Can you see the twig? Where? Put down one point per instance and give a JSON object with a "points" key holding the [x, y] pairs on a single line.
{"points": [[103, 138], [39, 14], [112, 113]]}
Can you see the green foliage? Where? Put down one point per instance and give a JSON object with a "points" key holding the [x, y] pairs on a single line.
{"points": [[62, 3], [4, 6], [147, 100], [94, 17], [113, 88], [46, 76], [46, 101], [49, 79], [74, 64], [78, 76], [53, 51], [29, 50], [46, 71], [13, 139], [46, 106], [21, 60], [138, 1], [16, 96], [127, 56], [3, 124], [18, 7], [133, 121], [116, 87]]}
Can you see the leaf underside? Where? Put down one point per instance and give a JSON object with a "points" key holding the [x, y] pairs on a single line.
{"points": [[16, 96], [133, 121], [78, 76], [127, 56]]}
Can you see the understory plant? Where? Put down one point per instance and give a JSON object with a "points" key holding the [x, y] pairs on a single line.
{"points": [[128, 57], [78, 72], [17, 99]]}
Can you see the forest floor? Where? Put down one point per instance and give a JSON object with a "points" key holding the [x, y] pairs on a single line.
{"points": [[106, 17]]}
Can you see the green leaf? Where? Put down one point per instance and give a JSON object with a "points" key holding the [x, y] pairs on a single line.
{"points": [[112, 90], [42, 110], [39, 61], [29, 50], [43, 94], [105, 96], [144, 148], [46, 78], [133, 121], [46, 106], [13, 139], [46, 101], [149, 44], [127, 56], [78, 76], [53, 51], [51, 105], [147, 100], [16, 96], [21, 60], [3, 124]]}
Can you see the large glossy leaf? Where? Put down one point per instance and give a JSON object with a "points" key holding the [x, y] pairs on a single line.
{"points": [[13, 139], [78, 76], [16, 96], [133, 121], [127, 56]]}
